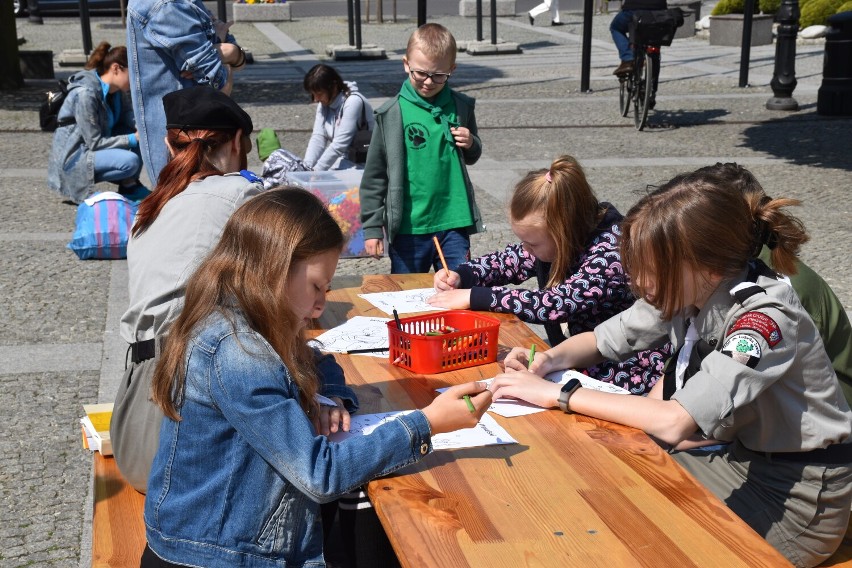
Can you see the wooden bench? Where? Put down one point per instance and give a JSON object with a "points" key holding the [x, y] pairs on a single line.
{"points": [[843, 557], [118, 530]]}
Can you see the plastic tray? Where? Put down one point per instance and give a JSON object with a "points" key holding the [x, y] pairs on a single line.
{"points": [[474, 343]]}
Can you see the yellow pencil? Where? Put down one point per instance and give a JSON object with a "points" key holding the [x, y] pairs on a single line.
{"points": [[441, 254]]}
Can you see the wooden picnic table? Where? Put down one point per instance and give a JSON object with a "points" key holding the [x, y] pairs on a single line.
{"points": [[574, 491]]}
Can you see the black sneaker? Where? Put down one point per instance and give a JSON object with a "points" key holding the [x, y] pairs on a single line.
{"points": [[532, 20], [552, 23]]}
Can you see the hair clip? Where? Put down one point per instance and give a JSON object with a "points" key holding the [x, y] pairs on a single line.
{"points": [[548, 177]]}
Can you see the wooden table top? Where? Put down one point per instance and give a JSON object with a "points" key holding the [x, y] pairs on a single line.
{"points": [[574, 491]]}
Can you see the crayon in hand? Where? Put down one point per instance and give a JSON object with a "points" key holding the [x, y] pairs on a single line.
{"points": [[470, 405]]}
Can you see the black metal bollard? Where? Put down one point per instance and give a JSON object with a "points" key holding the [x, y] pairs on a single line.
{"points": [[784, 77], [835, 93], [34, 12], [478, 20]]}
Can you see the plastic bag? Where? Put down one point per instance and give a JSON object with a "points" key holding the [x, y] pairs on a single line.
{"points": [[103, 226]]}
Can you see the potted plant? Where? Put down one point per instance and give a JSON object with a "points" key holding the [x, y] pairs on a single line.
{"points": [[261, 11], [726, 22]]}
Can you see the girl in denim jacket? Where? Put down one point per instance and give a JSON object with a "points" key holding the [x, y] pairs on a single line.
{"points": [[241, 471], [569, 244], [96, 139]]}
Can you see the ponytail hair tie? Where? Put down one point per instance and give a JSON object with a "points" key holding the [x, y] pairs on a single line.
{"points": [[548, 177], [764, 236]]}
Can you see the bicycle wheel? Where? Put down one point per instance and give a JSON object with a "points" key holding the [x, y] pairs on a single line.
{"points": [[625, 93], [644, 86]]}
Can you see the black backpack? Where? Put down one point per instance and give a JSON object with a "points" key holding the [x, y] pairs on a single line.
{"points": [[48, 112]]}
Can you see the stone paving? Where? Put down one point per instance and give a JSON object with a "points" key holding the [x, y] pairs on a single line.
{"points": [[59, 346]]}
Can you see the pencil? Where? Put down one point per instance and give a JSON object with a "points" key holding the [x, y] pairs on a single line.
{"points": [[368, 350], [396, 318], [470, 405], [441, 254], [532, 354]]}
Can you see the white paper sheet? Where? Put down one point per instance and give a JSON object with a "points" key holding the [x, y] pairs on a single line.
{"points": [[509, 407], [486, 433], [360, 332], [405, 301]]}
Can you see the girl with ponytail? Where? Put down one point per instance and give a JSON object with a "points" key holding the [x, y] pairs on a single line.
{"points": [[749, 369], [96, 138], [569, 244]]}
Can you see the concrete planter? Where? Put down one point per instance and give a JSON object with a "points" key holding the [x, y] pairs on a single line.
{"points": [[728, 29], [691, 14], [506, 8], [36, 64], [277, 12]]}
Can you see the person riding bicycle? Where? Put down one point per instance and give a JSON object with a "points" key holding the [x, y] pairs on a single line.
{"points": [[620, 24]]}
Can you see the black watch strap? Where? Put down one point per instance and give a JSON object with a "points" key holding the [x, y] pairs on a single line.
{"points": [[565, 394]]}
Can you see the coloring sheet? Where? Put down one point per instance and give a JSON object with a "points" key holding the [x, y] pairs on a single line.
{"points": [[360, 332], [405, 301], [486, 433], [510, 407]]}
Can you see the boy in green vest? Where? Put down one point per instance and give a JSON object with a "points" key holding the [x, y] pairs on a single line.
{"points": [[415, 184]]}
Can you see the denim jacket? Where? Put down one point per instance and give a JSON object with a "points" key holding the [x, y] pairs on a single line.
{"points": [[238, 481], [71, 171], [164, 39]]}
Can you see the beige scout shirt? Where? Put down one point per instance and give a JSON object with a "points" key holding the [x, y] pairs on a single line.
{"points": [[162, 258], [781, 398]]}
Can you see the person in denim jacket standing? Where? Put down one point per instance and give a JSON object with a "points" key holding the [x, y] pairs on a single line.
{"points": [[242, 465], [173, 44]]}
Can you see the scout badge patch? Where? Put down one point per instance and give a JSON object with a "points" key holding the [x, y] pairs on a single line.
{"points": [[762, 324], [742, 348]]}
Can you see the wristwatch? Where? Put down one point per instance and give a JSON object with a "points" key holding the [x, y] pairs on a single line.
{"points": [[566, 392]]}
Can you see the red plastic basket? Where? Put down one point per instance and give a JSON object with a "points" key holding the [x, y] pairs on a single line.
{"points": [[474, 342]]}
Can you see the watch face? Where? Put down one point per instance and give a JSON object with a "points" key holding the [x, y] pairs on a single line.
{"points": [[571, 385]]}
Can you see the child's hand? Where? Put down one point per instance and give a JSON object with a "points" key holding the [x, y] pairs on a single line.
{"points": [[451, 299], [526, 386], [449, 411], [332, 418], [446, 280], [462, 137], [518, 360], [374, 247]]}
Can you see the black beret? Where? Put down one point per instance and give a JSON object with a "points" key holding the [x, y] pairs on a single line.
{"points": [[203, 107]]}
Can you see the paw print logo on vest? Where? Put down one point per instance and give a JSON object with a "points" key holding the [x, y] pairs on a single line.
{"points": [[415, 135]]}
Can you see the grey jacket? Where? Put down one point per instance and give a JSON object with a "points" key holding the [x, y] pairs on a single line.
{"points": [[768, 384], [161, 259], [385, 173], [71, 171]]}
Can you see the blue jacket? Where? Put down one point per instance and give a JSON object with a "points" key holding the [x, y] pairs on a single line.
{"points": [[71, 171], [238, 481], [385, 173], [166, 38]]}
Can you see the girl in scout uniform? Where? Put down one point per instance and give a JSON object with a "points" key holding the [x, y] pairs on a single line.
{"points": [[749, 369]]}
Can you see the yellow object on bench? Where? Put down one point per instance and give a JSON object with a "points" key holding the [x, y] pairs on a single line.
{"points": [[118, 529]]}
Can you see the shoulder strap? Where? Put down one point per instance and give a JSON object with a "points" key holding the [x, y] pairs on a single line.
{"points": [[363, 124]]}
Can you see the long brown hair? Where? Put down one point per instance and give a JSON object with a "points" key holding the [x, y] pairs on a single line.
{"points": [[249, 269], [191, 160], [696, 221], [103, 56], [569, 207]]}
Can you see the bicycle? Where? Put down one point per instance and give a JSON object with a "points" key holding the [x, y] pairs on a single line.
{"points": [[649, 30]]}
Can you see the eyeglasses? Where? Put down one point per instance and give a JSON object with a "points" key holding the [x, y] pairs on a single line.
{"points": [[437, 78]]}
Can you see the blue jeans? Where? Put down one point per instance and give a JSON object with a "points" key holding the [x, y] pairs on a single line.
{"points": [[417, 253], [618, 28], [117, 165]]}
